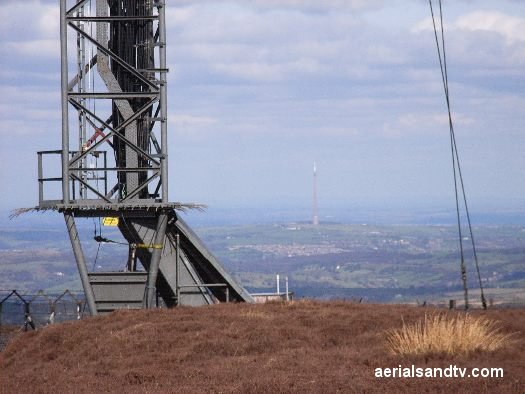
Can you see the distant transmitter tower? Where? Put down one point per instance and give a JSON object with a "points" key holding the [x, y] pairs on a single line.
{"points": [[315, 215], [114, 160]]}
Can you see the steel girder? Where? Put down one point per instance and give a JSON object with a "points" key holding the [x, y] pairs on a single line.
{"points": [[135, 87]]}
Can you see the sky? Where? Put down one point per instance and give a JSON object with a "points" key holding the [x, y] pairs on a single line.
{"points": [[259, 89]]}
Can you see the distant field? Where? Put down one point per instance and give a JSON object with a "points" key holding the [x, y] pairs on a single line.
{"points": [[379, 263], [406, 263], [299, 347]]}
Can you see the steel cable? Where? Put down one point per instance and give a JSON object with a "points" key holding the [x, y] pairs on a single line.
{"points": [[456, 162]]}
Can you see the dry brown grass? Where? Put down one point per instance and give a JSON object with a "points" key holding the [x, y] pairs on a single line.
{"points": [[8, 333], [303, 347], [448, 334]]}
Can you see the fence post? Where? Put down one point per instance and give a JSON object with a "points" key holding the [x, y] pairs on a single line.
{"points": [[28, 321]]}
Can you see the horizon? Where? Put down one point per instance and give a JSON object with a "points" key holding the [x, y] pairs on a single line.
{"points": [[357, 214]]}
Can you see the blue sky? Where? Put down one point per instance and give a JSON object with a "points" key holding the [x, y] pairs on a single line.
{"points": [[259, 89]]}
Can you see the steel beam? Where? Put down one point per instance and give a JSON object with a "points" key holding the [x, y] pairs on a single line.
{"points": [[76, 7], [114, 96], [155, 259], [134, 192], [81, 261], [112, 131], [111, 18], [82, 182], [87, 68], [64, 102], [113, 56], [163, 100]]}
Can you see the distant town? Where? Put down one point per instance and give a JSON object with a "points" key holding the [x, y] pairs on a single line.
{"points": [[376, 263]]}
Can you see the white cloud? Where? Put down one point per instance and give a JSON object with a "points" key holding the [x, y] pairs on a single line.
{"points": [[28, 111], [426, 25], [417, 121], [32, 19], [35, 48], [262, 71], [251, 71], [234, 39], [191, 120], [510, 27], [42, 77], [309, 5], [413, 123], [30, 29], [481, 40], [382, 54], [49, 22]]}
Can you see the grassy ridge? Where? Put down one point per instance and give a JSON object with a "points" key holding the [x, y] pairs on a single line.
{"points": [[297, 347]]}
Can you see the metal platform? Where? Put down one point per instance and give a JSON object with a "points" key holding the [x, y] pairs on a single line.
{"points": [[118, 290]]}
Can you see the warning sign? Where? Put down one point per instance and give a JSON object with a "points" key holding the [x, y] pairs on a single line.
{"points": [[110, 222]]}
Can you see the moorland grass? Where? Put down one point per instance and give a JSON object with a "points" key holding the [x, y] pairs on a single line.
{"points": [[447, 334]]}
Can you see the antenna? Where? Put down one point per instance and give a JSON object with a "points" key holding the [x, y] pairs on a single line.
{"points": [[315, 215]]}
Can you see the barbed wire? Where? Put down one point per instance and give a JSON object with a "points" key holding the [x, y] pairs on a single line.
{"points": [[31, 310]]}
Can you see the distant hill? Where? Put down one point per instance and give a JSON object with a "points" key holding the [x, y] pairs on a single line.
{"points": [[380, 263]]}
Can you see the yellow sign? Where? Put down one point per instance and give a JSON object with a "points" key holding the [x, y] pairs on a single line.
{"points": [[150, 246], [110, 222]]}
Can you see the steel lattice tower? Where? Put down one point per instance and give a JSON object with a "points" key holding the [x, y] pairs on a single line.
{"points": [[114, 158]]}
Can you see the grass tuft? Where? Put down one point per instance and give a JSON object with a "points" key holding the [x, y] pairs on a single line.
{"points": [[445, 334]]}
